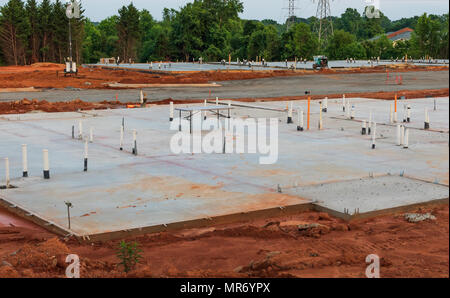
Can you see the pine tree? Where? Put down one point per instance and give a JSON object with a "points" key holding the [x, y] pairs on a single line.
{"points": [[45, 30], [128, 32], [33, 19], [14, 32]]}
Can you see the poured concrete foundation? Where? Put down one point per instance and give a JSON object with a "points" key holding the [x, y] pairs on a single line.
{"points": [[157, 189]]}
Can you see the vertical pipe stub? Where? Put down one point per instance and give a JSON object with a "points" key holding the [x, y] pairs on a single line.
{"points": [[406, 140], [321, 117], [325, 105], [364, 128], [289, 119], [134, 142], [374, 135], [171, 112], [121, 137], [300, 126], [427, 119], [86, 156], [343, 103], [408, 114], [399, 135], [46, 164], [24, 161], [80, 130], [91, 135], [7, 172]]}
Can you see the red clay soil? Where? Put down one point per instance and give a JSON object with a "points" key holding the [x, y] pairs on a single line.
{"points": [[48, 75], [27, 106], [261, 248]]}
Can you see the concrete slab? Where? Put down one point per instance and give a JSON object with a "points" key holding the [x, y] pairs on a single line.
{"points": [[121, 191], [372, 194]]}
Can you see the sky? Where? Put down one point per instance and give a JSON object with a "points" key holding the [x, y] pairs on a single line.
{"points": [[98, 10]]}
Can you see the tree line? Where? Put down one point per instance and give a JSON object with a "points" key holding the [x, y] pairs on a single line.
{"points": [[211, 29]]}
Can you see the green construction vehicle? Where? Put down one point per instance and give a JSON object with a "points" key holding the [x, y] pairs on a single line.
{"points": [[320, 62]]}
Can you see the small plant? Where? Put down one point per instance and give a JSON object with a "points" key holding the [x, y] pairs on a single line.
{"points": [[129, 254]]}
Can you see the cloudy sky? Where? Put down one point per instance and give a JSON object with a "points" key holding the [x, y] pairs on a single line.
{"points": [[272, 9]]}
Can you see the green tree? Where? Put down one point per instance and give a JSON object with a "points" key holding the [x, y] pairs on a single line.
{"points": [[426, 39], [337, 44], [45, 28], [299, 42], [14, 32], [31, 8], [128, 32]]}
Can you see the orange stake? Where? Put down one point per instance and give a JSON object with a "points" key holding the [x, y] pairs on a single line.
{"points": [[396, 103], [309, 110]]}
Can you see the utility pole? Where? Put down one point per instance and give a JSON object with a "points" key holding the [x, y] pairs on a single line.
{"points": [[325, 26], [70, 41]]}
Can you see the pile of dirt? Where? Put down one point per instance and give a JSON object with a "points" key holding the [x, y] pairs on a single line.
{"points": [[25, 106]]}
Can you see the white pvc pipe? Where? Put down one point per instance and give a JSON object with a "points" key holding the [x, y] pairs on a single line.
{"points": [[301, 118], [325, 104], [171, 111], [290, 112], [406, 142], [204, 113], [343, 102], [46, 160], [217, 101], [374, 135], [86, 149], [24, 160], [391, 116], [80, 129], [399, 136], [134, 135], [91, 135]]}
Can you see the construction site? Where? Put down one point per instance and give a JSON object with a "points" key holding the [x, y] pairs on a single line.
{"points": [[219, 170]]}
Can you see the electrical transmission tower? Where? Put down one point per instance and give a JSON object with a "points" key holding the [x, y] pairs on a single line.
{"points": [[324, 27], [291, 17]]}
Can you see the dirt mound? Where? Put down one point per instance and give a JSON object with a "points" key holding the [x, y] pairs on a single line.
{"points": [[47, 65], [26, 106]]}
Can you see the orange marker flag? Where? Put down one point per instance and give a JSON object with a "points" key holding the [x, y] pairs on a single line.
{"points": [[396, 103]]}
